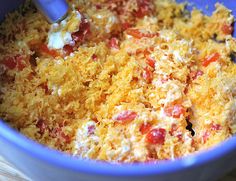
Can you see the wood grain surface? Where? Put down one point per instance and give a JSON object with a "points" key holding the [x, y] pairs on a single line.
{"points": [[9, 173]]}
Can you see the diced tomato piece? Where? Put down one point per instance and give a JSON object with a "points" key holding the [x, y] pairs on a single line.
{"points": [[44, 48], [195, 74], [41, 125], [211, 58], [68, 49], [174, 111], [144, 8], [114, 43], [216, 127], [227, 29], [138, 34], [156, 136], [145, 127], [148, 75], [84, 30], [125, 116]]}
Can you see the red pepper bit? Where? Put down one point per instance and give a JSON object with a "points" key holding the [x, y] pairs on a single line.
{"points": [[174, 127], [21, 64], [44, 48], [91, 129], [59, 134], [147, 75], [164, 80], [114, 43], [98, 6], [84, 30], [207, 133], [156, 136], [126, 26], [94, 57], [95, 119], [205, 136], [211, 58], [215, 127], [180, 136], [63, 123], [227, 29], [144, 8], [9, 62], [195, 74], [44, 86], [151, 61], [174, 111], [145, 127], [150, 159], [65, 137], [68, 49], [125, 116], [136, 33], [13, 62], [55, 132], [174, 132], [42, 126]]}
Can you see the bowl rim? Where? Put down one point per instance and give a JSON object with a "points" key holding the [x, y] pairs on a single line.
{"points": [[58, 159]]}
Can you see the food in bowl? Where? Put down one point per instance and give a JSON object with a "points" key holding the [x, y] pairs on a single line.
{"points": [[120, 81]]}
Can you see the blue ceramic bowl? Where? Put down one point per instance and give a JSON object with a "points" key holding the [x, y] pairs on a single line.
{"points": [[42, 164]]}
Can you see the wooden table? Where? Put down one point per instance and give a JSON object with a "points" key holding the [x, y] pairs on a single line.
{"points": [[9, 173]]}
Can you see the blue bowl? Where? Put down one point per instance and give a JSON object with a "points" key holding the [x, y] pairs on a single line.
{"points": [[42, 164]]}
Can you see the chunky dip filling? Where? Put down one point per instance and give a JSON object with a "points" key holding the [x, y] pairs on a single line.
{"points": [[120, 80]]}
